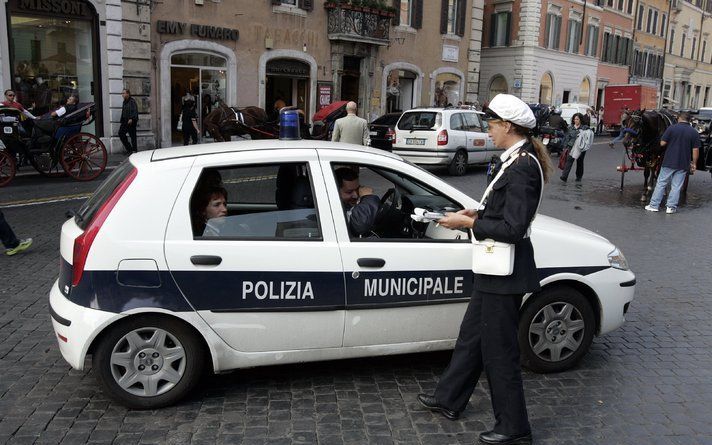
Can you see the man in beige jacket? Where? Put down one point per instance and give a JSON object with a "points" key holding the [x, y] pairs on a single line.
{"points": [[351, 129]]}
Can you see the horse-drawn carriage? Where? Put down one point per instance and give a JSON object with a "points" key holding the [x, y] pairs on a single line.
{"points": [[642, 151], [54, 146], [224, 122]]}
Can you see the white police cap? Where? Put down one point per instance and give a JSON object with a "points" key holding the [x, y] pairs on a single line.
{"points": [[510, 108]]}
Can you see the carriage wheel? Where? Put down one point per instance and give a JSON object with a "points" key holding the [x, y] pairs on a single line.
{"points": [[83, 157], [45, 165], [7, 167]]}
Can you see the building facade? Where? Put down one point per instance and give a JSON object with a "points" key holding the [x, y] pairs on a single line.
{"points": [[309, 54], [93, 48], [650, 31], [687, 76], [304, 52]]}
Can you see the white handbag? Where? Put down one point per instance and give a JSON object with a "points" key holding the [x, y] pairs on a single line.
{"points": [[490, 257]]}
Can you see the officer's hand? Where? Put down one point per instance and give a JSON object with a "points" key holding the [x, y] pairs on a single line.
{"points": [[693, 168], [468, 212], [457, 221], [364, 191]]}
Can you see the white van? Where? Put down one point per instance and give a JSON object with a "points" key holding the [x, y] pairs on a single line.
{"points": [[450, 136], [568, 111]]}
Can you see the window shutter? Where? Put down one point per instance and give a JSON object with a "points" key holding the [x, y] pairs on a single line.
{"points": [[595, 41], [444, 16], [461, 17], [557, 31], [507, 31], [397, 6], [493, 30], [547, 31], [569, 37], [417, 14], [306, 5]]}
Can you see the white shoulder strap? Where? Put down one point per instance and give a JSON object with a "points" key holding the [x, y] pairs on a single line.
{"points": [[509, 162]]}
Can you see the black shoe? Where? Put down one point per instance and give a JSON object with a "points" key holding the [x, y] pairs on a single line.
{"points": [[562, 178], [578, 179], [490, 437], [429, 402]]}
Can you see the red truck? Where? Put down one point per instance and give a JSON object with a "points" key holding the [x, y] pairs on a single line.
{"points": [[618, 97]]}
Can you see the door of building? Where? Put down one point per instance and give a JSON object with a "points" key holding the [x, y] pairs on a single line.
{"points": [[288, 81], [351, 78], [200, 77]]}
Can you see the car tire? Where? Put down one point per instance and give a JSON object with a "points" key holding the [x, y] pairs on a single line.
{"points": [[458, 165], [556, 328], [149, 361]]}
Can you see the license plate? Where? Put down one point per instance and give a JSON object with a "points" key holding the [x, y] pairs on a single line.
{"points": [[373, 133], [7, 130], [415, 141], [545, 141]]}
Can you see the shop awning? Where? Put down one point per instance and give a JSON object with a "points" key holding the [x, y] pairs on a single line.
{"points": [[328, 110]]}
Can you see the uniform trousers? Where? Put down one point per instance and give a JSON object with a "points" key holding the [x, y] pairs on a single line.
{"points": [[7, 236], [488, 342]]}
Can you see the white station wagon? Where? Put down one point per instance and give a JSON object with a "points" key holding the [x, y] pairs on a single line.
{"points": [[157, 302]]}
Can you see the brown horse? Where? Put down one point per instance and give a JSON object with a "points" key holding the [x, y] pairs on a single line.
{"points": [[223, 122], [643, 148]]}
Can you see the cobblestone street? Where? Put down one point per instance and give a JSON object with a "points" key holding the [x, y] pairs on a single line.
{"points": [[646, 383]]}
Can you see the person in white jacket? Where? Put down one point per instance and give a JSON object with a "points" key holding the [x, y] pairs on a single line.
{"points": [[583, 141]]}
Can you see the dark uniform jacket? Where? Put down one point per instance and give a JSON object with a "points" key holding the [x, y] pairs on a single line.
{"points": [[506, 217]]}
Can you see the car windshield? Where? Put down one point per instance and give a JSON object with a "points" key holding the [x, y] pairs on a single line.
{"points": [[420, 120]]}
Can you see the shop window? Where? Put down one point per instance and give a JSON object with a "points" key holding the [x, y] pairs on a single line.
{"points": [[51, 58], [400, 91], [447, 90], [546, 89]]}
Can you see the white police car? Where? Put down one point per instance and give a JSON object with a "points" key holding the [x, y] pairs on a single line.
{"points": [[158, 295]]}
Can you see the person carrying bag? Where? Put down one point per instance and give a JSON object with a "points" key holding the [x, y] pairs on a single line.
{"points": [[488, 338]]}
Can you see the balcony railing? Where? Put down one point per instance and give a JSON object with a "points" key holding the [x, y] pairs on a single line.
{"points": [[359, 25]]}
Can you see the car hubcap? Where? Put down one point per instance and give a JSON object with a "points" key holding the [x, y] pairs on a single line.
{"points": [[556, 331], [460, 163], [147, 362]]}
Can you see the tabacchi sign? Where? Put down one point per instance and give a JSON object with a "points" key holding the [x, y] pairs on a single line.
{"points": [[205, 31]]}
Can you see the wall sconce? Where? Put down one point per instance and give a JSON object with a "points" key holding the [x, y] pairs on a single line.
{"points": [[269, 43], [304, 47]]}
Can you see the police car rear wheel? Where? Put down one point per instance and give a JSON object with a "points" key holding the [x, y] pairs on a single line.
{"points": [[458, 165], [555, 330], [149, 362]]}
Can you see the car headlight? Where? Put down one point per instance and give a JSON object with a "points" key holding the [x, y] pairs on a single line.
{"points": [[617, 260]]}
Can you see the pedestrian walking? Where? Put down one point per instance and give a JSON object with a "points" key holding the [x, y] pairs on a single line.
{"points": [[190, 123], [599, 122], [351, 128], [579, 139], [682, 148], [12, 244], [129, 122], [488, 338]]}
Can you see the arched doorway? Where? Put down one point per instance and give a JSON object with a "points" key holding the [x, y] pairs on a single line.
{"points": [[585, 91], [498, 85], [400, 93], [546, 89], [287, 80], [447, 90], [199, 77]]}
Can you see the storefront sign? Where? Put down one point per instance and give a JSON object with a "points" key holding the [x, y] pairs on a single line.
{"points": [[66, 7], [324, 94], [288, 67], [205, 31]]}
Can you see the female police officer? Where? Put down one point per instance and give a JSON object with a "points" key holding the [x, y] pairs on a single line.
{"points": [[488, 334]]}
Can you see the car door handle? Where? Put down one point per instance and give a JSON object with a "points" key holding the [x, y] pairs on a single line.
{"points": [[205, 260], [371, 262]]}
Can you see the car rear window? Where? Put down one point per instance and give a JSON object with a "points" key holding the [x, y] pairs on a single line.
{"points": [[388, 119], [93, 204], [420, 120]]}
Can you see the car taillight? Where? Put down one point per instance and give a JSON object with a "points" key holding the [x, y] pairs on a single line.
{"points": [[442, 137], [83, 242], [390, 135]]}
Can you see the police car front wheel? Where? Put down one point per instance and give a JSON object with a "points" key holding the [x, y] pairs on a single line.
{"points": [[555, 329], [149, 362]]}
